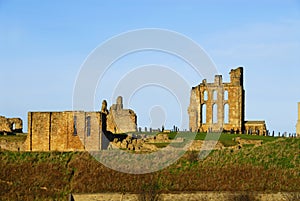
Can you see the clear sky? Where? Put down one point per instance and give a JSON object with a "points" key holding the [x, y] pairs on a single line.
{"points": [[44, 43]]}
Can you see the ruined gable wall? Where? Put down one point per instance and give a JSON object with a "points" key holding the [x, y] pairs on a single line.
{"points": [[121, 120], [9, 125], [5, 125], [18, 124], [235, 102], [194, 109]]}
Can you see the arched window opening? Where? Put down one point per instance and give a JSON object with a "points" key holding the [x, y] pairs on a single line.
{"points": [[215, 95], [215, 114], [203, 114], [225, 95], [75, 125], [88, 126], [205, 95], [226, 113]]}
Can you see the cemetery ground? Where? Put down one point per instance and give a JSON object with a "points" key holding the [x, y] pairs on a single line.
{"points": [[272, 167]]}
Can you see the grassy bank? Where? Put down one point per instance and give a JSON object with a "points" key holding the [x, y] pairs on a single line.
{"points": [[274, 166]]}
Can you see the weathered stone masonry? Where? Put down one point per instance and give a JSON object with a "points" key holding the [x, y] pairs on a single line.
{"points": [[10, 125], [220, 106], [75, 130], [64, 131], [120, 120]]}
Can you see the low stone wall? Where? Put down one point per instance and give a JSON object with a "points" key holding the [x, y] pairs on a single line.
{"points": [[199, 196], [10, 145], [198, 145]]}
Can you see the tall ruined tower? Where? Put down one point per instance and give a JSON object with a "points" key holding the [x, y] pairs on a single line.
{"points": [[298, 122], [218, 106]]}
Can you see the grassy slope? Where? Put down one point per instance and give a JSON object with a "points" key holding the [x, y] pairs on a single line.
{"points": [[275, 166]]}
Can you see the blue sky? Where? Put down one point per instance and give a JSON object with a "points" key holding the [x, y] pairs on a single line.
{"points": [[44, 43]]}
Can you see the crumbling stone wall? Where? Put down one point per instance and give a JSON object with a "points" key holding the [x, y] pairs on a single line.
{"points": [[219, 106], [12, 145], [121, 120], [255, 127], [77, 130], [64, 131], [10, 125], [207, 97]]}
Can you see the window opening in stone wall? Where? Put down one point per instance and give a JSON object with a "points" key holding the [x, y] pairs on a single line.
{"points": [[75, 125], [215, 95], [203, 114], [13, 126], [226, 113], [205, 95], [215, 114], [88, 126], [225, 95]]}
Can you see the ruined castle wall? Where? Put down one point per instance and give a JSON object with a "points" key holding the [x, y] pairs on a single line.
{"points": [[194, 109], [121, 120], [5, 125], [92, 136], [217, 96], [38, 131], [10, 125], [16, 124], [64, 131], [255, 127]]}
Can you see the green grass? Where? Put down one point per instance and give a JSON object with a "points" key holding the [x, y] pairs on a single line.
{"points": [[248, 145], [228, 143], [224, 137], [283, 153], [272, 167]]}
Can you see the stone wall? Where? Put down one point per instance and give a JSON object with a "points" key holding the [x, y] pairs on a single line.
{"points": [[12, 144], [220, 106], [207, 97], [77, 130], [64, 131], [10, 125], [255, 127], [121, 120]]}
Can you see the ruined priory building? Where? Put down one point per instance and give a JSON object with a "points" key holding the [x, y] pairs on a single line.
{"points": [[10, 125], [120, 120], [220, 106], [77, 130]]}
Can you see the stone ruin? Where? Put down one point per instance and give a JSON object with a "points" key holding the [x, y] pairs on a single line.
{"points": [[132, 143], [220, 106], [120, 120], [78, 130], [10, 125], [140, 142]]}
